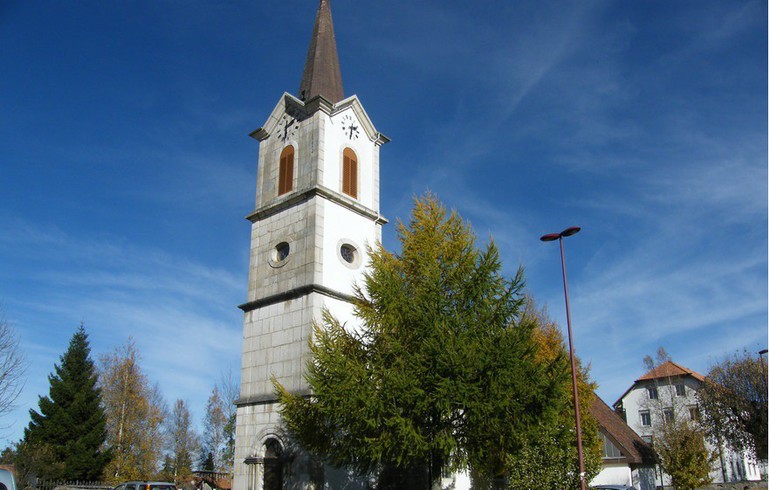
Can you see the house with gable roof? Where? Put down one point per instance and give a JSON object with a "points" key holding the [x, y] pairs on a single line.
{"points": [[626, 458], [669, 392]]}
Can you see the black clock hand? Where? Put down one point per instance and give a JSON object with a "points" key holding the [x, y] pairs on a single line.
{"points": [[286, 127]]}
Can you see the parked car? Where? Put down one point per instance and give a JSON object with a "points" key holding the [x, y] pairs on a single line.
{"points": [[144, 485], [6, 480], [613, 487]]}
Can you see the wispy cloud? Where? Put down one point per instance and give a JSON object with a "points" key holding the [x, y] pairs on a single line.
{"points": [[180, 312]]}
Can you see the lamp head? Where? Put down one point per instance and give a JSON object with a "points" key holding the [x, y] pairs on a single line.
{"points": [[570, 231], [550, 237]]}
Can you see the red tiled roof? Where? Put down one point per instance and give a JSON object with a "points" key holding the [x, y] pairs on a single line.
{"points": [[669, 369], [633, 447]]}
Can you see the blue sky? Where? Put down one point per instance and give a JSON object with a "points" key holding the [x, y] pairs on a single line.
{"points": [[127, 170]]}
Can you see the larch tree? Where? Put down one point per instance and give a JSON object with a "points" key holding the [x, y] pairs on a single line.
{"points": [[442, 373], [135, 415], [734, 404], [68, 432]]}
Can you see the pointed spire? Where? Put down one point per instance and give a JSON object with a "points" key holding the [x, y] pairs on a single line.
{"points": [[322, 75]]}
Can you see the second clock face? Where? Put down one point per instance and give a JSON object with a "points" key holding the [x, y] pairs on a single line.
{"points": [[287, 127], [350, 127]]}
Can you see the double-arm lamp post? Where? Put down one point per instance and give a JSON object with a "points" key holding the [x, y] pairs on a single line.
{"points": [[550, 238]]}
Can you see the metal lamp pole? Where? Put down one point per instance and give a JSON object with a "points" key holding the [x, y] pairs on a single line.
{"points": [[550, 238]]}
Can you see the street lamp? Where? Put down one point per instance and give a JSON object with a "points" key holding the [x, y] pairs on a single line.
{"points": [[550, 238]]}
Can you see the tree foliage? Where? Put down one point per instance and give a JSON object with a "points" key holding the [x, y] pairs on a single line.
{"points": [[135, 416], [683, 454], [182, 444], [229, 390], [734, 404], [551, 460], [214, 439], [442, 372], [69, 430]]}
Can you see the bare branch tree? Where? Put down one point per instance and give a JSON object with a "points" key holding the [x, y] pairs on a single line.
{"points": [[12, 367]]}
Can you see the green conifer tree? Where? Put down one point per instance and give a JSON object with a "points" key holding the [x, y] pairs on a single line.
{"points": [[71, 421], [443, 372]]}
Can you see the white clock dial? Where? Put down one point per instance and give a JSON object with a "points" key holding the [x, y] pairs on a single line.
{"points": [[350, 127], [287, 127]]}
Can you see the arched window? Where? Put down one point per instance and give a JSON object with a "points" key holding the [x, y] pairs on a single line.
{"points": [[349, 173], [286, 170]]}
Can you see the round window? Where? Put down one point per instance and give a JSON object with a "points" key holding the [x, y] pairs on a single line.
{"points": [[348, 253], [281, 251], [279, 255]]}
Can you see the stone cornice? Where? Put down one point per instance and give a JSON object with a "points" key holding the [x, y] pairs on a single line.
{"points": [[268, 399], [297, 198], [294, 294]]}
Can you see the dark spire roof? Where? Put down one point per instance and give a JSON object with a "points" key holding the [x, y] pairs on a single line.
{"points": [[322, 75]]}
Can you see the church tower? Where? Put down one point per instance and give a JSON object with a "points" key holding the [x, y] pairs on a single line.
{"points": [[317, 208]]}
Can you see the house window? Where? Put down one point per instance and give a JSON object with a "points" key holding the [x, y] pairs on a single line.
{"points": [[652, 392], [679, 389], [647, 439], [644, 416], [610, 449], [694, 413], [350, 173], [286, 170], [668, 415]]}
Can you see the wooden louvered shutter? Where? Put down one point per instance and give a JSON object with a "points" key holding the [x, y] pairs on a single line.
{"points": [[349, 173], [286, 170]]}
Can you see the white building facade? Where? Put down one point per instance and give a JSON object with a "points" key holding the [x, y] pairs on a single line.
{"points": [[670, 391]]}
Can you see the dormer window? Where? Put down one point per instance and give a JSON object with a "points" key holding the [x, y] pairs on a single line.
{"points": [[286, 170], [350, 173]]}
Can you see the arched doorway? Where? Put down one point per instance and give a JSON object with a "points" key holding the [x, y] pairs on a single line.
{"points": [[274, 462]]}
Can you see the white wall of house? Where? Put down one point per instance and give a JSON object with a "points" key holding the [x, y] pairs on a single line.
{"points": [[613, 474], [644, 413]]}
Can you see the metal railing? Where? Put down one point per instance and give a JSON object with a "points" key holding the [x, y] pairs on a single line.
{"points": [[39, 484]]}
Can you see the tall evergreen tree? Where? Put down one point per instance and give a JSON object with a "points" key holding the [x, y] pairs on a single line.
{"points": [[71, 423]]}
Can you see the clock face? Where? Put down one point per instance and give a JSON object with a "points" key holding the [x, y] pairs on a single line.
{"points": [[350, 127], [287, 127]]}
